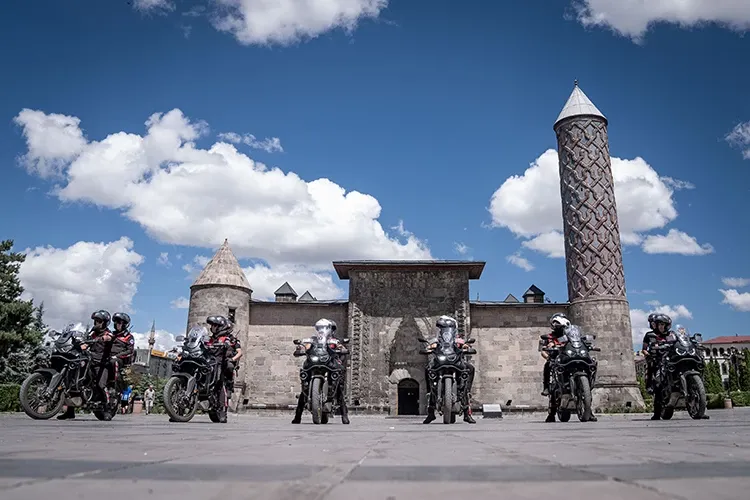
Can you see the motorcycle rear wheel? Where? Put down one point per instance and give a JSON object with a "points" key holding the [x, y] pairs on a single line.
{"points": [[219, 415], [25, 398], [173, 385]]}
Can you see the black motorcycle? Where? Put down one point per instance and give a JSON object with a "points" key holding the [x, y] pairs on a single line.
{"points": [[448, 372], [572, 375], [678, 379], [197, 381], [320, 379], [69, 379]]}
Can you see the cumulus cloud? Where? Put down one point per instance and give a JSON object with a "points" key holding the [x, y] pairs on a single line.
{"points": [[633, 18], [184, 195], [530, 205], [73, 282], [460, 248], [639, 318], [736, 282], [163, 259], [736, 300], [265, 280], [153, 5], [675, 242], [164, 340], [180, 303], [269, 144], [53, 140], [517, 260], [739, 137]]}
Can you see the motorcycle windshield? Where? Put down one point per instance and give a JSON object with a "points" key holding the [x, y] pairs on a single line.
{"points": [[682, 335], [447, 339], [573, 334], [195, 338]]}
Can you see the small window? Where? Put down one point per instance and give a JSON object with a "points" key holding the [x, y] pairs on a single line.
{"points": [[232, 310]]}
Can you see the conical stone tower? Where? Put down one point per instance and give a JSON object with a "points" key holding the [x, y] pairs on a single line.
{"points": [[593, 253], [222, 289]]}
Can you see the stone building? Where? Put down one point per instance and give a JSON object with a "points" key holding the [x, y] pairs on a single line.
{"points": [[391, 303]]}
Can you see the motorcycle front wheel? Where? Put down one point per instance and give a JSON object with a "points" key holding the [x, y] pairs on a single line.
{"points": [[583, 406], [316, 402], [30, 399], [174, 389], [448, 401], [696, 398]]}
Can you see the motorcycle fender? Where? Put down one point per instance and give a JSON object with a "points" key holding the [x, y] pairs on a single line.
{"points": [[309, 390], [573, 385], [190, 381], [54, 376], [683, 380]]}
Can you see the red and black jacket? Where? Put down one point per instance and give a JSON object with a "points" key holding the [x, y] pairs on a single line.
{"points": [[122, 345]]}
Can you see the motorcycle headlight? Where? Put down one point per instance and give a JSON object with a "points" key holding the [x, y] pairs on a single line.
{"points": [[441, 358], [691, 351], [582, 352], [314, 359], [569, 352]]}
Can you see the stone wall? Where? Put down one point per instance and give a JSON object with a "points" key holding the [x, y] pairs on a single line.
{"points": [[271, 373], [388, 309], [508, 362]]}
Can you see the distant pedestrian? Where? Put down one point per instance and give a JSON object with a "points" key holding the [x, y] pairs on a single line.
{"points": [[148, 398]]}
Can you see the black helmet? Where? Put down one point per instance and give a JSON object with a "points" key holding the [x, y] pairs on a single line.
{"points": [[121, 318], [102, 316], [223, 324], [663, 318], [651, 318]]}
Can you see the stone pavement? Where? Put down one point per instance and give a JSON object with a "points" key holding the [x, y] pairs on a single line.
{"points": [[256, 457]]}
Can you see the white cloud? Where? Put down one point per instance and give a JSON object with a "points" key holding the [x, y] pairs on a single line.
{"points": [[196, 265], [180, 303], [265, 280], [739, 137], [73, 282], [284, 22], [677, 184], [460, 248], [153, 5], [164, 340], [163, 259], [519, 261], [737, 300], [531, 207], [269, 144], [736, 282], [675, 242], [639, 318], [184, 195], [52, 139], [633, 18]]}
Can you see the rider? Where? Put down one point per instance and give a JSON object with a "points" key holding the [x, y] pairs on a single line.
{"points": [[662, 331], [327, 328], [447, 323], [648, 338], [558, 323], [222, 337]]}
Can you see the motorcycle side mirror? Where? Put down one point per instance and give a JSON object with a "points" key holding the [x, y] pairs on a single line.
{"points": [[345, 341], [424, 341], [470, 351], [179, 338], [471, 341], [543, 337], [698, 338], [297, 341], [424, 351]]}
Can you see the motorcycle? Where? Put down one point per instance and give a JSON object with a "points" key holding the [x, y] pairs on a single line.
{"points": [[448, 372], [319, 379], [197, 381], [678, 379], [572, 375], [69, 379]]}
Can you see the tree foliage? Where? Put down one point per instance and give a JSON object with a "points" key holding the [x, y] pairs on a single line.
{"points": [[20, 322], [712, 378]]}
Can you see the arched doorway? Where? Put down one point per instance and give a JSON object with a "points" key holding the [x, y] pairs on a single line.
{"points": [[408, 397]]}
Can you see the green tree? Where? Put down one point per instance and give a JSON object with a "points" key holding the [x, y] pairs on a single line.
{"points": [[745, 370], [734, 378], [20, 340], [712, 378]]}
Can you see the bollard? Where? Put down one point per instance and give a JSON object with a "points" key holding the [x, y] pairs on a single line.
{"points": [[728, 403]]}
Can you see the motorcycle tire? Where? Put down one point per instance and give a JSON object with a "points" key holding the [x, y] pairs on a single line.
{"points": [[697, 390], [447, 400], [583, 406], [172, 385], [316, 402], [563, 415], [219, 415], [23, 396]]}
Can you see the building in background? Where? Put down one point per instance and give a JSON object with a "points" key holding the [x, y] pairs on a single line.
{"points": [[154, 362], [726, 350]]}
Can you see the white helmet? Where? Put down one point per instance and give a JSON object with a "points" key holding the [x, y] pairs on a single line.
{"points": [[559, 321], [325, 326], [446, 322]]}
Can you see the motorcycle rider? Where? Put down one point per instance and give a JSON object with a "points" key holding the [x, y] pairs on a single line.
{"points": [[445, 323], [558, 323], [224, 343], [648, 338], [662, 332], [113, 349], [326, 328]]}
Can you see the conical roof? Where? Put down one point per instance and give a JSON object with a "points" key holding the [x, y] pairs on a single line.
{"points": [[223, 269], [578, 105]]}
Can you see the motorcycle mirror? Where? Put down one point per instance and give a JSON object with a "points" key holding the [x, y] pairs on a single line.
{"points": [[471, 351], [698, 337], [424, 341], [423, 351], [471, 341], [543, 337], [345, 341], [179, 338], [297, 341]]}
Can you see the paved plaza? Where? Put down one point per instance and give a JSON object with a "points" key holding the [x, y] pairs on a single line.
{"points": [[265, 457]]}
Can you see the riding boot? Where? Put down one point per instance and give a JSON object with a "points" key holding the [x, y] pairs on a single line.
{"points": [[344, 413], [550, 418], [430, 415], [70, 413], [300, 408], [467, 416], [545, 392]]}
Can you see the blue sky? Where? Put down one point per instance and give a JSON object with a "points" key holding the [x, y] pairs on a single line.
{"points": [[427, 107]]}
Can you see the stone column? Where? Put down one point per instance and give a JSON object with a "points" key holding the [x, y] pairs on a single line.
{"points": [[593, 253]]}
